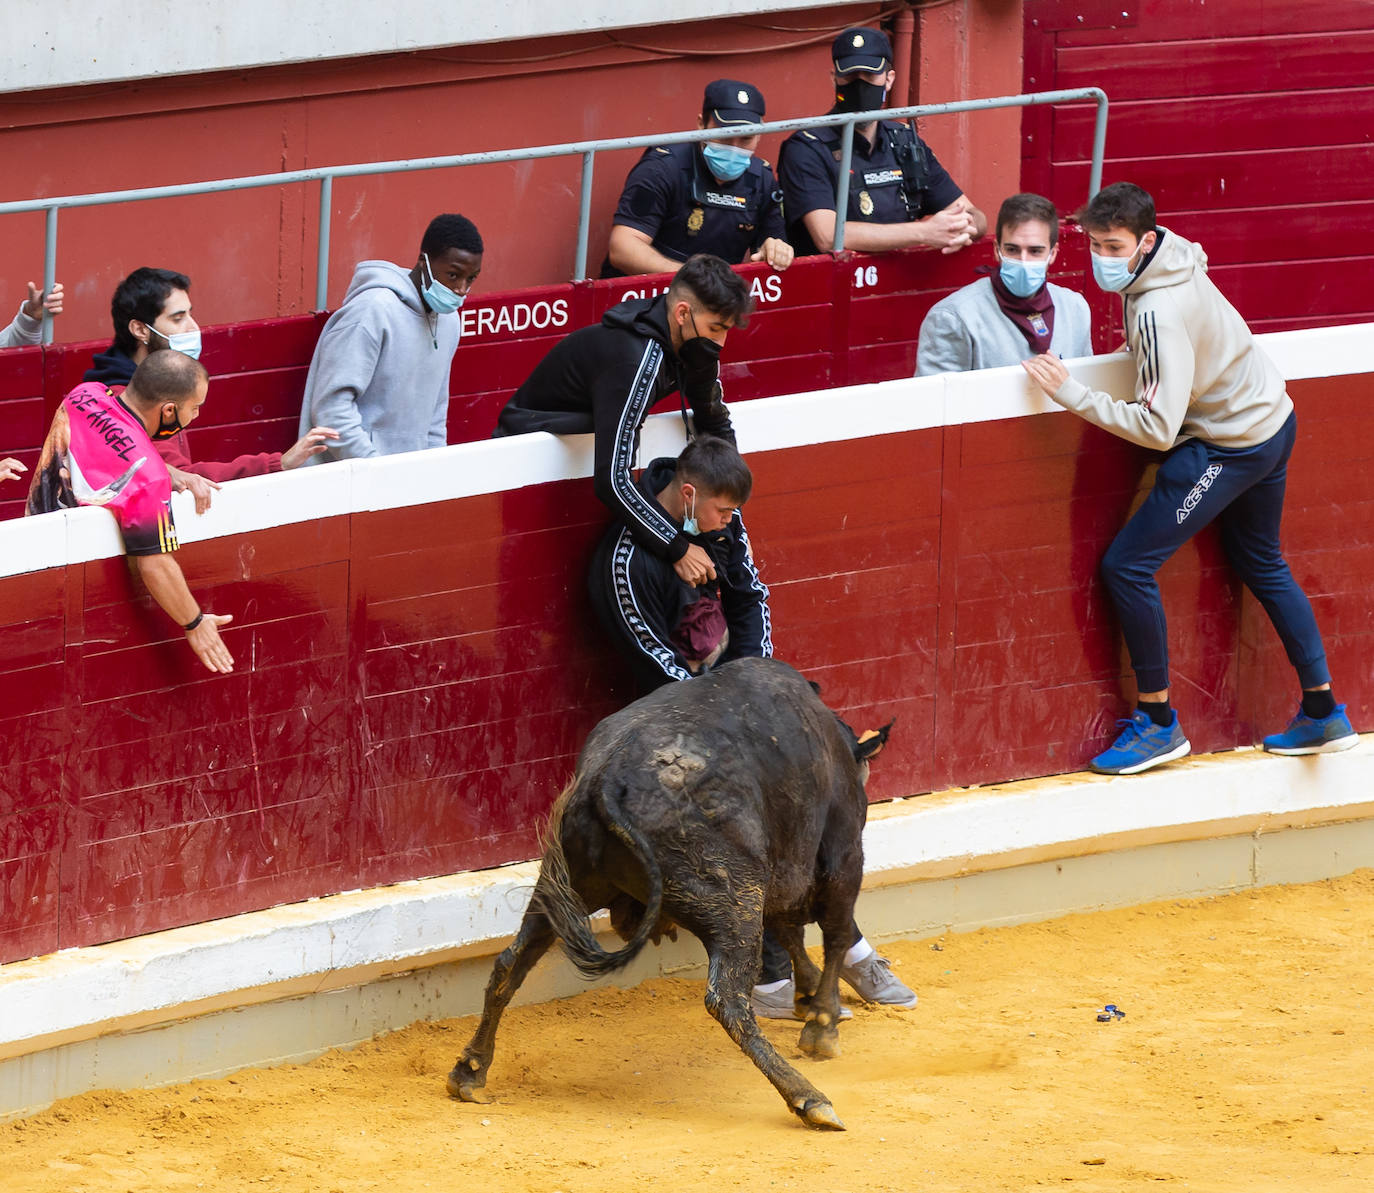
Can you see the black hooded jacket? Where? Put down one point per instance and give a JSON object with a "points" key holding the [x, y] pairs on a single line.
{"points": [[111, 367], [640, 599], [605, 379]]}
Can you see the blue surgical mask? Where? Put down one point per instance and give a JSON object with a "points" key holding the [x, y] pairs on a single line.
{"points": [[1115, 273], [441, 300], [185, 342], [727, 162], [689, 523], [1023, 278]]}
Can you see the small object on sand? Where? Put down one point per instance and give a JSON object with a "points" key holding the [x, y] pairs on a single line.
{"points": [[1109, 1013]]}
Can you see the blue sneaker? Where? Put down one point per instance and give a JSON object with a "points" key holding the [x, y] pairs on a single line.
{"points": [[1306, 735], [1142, 744]]}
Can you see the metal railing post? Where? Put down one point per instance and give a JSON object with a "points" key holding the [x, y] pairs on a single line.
{"points": [[584, 216], [1099, 145], [322, 245], [49, 265], [842, 186]]}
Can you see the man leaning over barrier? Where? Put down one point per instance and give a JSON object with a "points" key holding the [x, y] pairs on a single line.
{"points": [[606, 378], [151, 309], [1208, 396], [99, 451]]}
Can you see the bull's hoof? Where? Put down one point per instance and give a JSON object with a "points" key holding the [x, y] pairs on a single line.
{"points": [[818, 1041], [460, 1085], [822, 1116]]}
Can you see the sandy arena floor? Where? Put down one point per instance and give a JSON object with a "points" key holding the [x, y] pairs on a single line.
{"points": [[1244, 1063]]}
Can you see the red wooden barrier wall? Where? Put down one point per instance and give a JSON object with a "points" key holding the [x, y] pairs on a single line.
{"points": [[826, 321], [413, 684]]}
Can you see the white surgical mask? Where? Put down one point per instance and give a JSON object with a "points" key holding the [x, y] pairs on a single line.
{"points": [[185, 342]]}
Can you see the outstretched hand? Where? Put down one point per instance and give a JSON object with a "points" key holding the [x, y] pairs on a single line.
{"points": [[310, 444], [209, 646]]}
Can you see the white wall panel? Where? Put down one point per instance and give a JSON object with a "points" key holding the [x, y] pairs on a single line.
{"points": [[62, 43]]}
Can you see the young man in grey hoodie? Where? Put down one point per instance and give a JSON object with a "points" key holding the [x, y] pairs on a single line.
{"points": [[1206, 394], [380, 373]]}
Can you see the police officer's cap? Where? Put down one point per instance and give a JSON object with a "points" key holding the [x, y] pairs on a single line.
{"points": [[728, 101], [862, 49]]}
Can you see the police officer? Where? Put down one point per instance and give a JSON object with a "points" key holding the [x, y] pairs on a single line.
{"points": [[710, 197], [899, 194]]}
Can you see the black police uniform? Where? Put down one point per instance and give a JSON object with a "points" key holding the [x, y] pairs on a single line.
{"points": [[898, 180], [673, 197]]}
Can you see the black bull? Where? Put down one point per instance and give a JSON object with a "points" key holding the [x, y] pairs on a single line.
{"points": [[725, 804]]}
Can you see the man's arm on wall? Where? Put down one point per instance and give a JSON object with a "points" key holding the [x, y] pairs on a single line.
{"points": [[162, 576]]}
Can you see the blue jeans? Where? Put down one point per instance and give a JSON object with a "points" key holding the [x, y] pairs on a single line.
{"points": [[1242, 490]]}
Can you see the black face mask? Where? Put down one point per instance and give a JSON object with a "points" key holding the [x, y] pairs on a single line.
{"points": [[860, 96], [166, 432], [699, 354]]}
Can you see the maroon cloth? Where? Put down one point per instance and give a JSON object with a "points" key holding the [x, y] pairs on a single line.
{"points": [[700, 630], [1033, 316], [176, 452]]}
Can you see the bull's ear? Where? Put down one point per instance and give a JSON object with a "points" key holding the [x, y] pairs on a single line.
{"points": [[815, 687], [871, 742]]}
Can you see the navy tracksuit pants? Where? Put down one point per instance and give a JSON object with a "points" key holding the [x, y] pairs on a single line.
{"points": [[1241, 489]]}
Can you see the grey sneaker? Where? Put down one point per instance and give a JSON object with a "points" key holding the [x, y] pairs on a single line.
{"points": [[781, 1003], [874, 981]]}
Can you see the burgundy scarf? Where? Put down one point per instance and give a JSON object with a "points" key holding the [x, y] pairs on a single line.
{"points": [[1033, 316]]}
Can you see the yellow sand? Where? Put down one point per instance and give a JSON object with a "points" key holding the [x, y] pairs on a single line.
{"points": [[1244, 1063]]}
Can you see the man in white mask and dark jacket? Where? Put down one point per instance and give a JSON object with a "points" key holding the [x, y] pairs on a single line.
{"points": [[1208, 396], [380, 373]]}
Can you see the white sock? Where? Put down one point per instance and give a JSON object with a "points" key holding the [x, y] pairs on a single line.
{"points": [[769, 987], [860, 950]]}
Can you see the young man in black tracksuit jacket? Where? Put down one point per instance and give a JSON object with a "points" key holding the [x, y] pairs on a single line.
{"points": [[606, 378], [663, 626]]}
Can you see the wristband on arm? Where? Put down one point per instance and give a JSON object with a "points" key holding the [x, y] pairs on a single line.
{"points": [[195, 621]]}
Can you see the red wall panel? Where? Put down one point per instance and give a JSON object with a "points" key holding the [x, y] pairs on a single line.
{"points": [[1249, 123], [413, 685]]}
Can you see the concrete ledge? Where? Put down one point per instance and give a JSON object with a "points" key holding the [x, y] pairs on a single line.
{"points": [[292, 981]]}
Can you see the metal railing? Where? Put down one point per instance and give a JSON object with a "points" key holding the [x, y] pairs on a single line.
{"points": [[588, 150]]}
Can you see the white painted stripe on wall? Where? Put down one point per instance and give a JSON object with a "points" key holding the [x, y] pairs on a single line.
{"points": [[347, 939], [766, 424], [62, 43]]}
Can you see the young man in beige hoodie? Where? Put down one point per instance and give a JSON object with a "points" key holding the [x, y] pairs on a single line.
{"points": [[1208, 396]]}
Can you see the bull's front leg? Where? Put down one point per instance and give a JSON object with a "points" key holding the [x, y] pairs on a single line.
{"points": [[730, 975], [469, 1075]]}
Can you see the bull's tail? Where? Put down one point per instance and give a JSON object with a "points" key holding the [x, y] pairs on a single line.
{"points": [[555, 897]]}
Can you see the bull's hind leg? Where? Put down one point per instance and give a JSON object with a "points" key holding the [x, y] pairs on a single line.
{"points": [[733, 964], [469, 1075]]}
